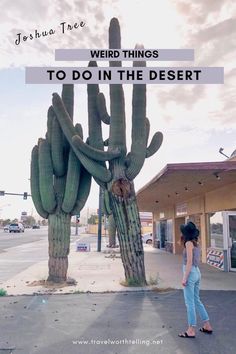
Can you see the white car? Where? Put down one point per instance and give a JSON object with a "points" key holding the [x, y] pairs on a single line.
{"points": [[6, 228], [147, 238], [16, 227]]}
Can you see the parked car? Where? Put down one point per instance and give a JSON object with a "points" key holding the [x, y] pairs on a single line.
{"points": [[6, 228], [147, 238], [36, 226], [16, 227], [27, 226]]}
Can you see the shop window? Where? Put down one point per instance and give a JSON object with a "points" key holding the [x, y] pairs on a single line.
{"points": [[216, 230], [169, 231]]}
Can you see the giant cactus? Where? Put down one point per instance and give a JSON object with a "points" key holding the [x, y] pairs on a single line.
{"points": [[60, 186], [123, 167]]}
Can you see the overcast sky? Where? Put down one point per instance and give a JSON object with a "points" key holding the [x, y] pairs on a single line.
{"points": [[196, 120]]}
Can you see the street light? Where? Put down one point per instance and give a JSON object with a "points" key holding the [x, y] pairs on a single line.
{"points": [[221, 152]]}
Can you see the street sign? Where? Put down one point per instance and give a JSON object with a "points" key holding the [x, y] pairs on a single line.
{"points": [[82, 247]]}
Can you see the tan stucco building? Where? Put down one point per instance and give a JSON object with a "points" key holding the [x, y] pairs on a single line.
{"points": [[204, 193]]}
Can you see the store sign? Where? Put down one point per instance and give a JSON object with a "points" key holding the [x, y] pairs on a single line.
{"points": [[82, 247], [215, 258], [23, 216], [181, 209], [162, 215]]}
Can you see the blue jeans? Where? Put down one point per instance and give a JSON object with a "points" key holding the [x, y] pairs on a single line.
{"points": [[192, 299]]}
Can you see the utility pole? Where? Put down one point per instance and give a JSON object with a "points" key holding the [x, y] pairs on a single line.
{"points": [[100, 220], [76, 224]]}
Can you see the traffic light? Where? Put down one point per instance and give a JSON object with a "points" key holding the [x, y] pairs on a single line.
{"points": [[25, 195], [2, 192], [77, 219]]}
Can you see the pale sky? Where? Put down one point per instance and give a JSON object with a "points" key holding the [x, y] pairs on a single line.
{"points": [[196, 120]]}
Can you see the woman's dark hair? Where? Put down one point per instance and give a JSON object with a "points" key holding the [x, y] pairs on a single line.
{"points": [[189, 233], [187, 238]]}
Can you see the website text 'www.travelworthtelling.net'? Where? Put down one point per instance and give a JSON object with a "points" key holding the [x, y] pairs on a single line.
{"points": [[125, 341]]}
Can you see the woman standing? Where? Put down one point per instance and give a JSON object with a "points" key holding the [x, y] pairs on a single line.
{"points": [[191, 281]]}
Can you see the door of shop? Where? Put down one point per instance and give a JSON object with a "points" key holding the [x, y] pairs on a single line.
{"points": [[231, 238], [163, 232]]}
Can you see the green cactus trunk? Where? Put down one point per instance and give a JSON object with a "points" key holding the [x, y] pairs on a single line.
{"points": [[112, 231], [127, 220], [126, 215], [59, 246]]}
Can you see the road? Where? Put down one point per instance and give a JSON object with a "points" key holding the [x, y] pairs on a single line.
{"points": [[118, 323], [20, 251], [8, 240]]}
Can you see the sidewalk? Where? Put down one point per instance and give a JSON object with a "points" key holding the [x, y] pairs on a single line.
{"points": [[103, 272]]}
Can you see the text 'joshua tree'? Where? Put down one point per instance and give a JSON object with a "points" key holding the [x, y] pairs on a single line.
{"points": [[123, 166], [60, 186]]}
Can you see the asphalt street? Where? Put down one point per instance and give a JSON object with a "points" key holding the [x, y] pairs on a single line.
{"points": [[8, 240], [18, 251], [113, 323]]}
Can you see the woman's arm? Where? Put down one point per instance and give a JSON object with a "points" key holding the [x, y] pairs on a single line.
{"points": [[189, 250]]}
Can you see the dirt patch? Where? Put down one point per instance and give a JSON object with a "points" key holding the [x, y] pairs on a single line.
{"points": [[51, 285], [162, 290]]}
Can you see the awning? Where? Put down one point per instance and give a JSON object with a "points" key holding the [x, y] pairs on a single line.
{"points": [[179, 182]]}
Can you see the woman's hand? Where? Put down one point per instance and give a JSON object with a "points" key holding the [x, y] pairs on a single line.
{"points": [[184, 281]]}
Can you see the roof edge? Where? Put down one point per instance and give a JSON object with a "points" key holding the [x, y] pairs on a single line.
{"points": [[189, 166]]}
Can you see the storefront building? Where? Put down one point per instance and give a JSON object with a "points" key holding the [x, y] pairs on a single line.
{"points": [[204, 193]]}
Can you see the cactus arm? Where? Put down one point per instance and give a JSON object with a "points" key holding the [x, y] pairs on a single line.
{"points": [[95, 168], [68, 129], [63, 117], [147, 124], [79, 130], [95, 139], [117, 137], [46, 177], [50, 118], [83, 191], [59, 187], [57, 149], [139, 134], [155, 144], [106, 203], [128, 160], [72, 183], [34, 183], [95, 154], [68, 98], [94, 120], [102, 110]]}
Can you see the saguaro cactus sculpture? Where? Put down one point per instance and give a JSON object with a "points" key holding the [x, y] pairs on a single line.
{"points": [[60, 186], [123, 167]]}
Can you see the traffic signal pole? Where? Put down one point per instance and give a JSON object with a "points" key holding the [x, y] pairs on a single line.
{"points": [[100, 220], [24, 195]]}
